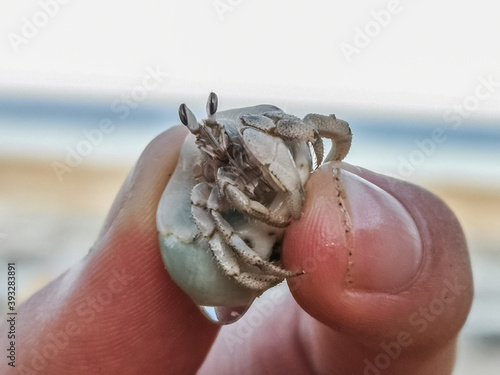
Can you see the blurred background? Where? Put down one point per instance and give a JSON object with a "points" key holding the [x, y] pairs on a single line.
{"points": [[84, 86]]}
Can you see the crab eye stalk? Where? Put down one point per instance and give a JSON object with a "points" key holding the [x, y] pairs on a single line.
{"points": [[189, 119], [212, 104]]}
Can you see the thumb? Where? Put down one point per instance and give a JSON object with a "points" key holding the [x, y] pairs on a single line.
{"points": [[118, 311], [385, 263]]}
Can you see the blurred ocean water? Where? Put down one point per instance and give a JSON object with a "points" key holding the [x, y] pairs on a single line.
{"points": [[412, 148], [424, 150]]}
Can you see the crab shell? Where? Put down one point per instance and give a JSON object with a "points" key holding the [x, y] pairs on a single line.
{"points": [[186, 252]]}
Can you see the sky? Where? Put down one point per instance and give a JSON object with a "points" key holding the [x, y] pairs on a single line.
{"points": [[407, 56]]}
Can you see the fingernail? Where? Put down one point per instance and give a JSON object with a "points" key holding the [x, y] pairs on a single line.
{"points": [[385, 245]]}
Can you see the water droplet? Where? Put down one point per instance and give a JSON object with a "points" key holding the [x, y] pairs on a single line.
{"points": [[223, 314]]}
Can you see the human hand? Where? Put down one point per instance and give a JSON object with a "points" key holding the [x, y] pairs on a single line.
{"points": [[379, 298]]}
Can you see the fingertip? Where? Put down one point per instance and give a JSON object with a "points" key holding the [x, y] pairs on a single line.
{"points": [[375, 251]]}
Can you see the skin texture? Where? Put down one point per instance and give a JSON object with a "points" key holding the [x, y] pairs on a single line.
{"points": [[117, 310]]}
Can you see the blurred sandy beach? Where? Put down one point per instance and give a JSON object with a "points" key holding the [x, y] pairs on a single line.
{"points": [[29, 188]]}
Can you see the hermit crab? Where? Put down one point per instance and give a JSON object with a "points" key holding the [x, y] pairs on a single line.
{"points": [[238, 184]]}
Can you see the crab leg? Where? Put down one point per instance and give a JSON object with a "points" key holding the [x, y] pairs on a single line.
{"points": [[245, 252], [338, 131], [227, 261]]}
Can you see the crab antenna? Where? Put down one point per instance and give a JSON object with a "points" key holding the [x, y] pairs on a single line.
{"points": [[212, 104], [189, 119]]}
